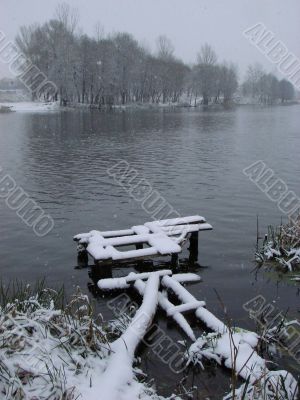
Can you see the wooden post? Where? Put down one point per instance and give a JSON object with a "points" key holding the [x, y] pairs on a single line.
{"points": [[174, 259], [194, 238], [82, 260], [81, 248], [98, 272]]}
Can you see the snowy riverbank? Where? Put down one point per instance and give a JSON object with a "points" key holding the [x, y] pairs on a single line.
{"points": [[32, 106], [50, 351]]}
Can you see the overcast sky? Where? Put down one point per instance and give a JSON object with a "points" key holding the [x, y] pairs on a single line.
{"points": [[188, 23]]}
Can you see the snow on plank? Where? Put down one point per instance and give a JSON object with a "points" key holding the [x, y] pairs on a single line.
{"points": [[217, 346], [162, 237], [186, 307], [124, 282], [166, 305], [202, 313], [171, 310], [119, 374]]}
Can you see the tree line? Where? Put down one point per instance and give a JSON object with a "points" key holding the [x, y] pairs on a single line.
{"points": [[117, 69], [265, 87]]}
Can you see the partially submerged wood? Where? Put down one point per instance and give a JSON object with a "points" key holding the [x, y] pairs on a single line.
{"points": [[137, 282], [208, 318], [166, 305], [156, 238], [187, 307], [125, 282], [118, 373], [234, 348]]}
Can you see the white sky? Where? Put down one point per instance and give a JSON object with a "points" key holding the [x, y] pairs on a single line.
{"points": [[188, 23]]}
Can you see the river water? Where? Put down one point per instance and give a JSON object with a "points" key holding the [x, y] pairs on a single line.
{"points": [[194, 160]]}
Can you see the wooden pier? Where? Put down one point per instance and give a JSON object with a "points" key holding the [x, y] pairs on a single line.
{"points": [[158, 288], [156, 238]]}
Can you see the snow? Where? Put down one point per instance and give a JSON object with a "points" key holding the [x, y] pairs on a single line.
{"points": [[171, 310], [140, 229], [186, 277], [281, 245], [163, 244], [274, 385], [185, 307], [247, 362], [296, 279], [101, 248], [202, 313], [113, 284], [165, 304], [46, 353], [42, 340], [178, 229], [174, 283], [236, 350], [61, 355], [124, 282], [122, 232], [132, 277], [181, 220], [113, 383], [33, 106], [157, 234]]}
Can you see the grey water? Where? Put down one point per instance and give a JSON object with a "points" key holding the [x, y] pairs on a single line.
{"points": [[195, 160]]}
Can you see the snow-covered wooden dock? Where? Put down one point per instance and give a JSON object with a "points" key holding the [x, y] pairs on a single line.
{"points": [[156, 238], [223, 344]]}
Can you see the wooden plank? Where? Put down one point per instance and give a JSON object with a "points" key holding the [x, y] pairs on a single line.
{"points": [[163, 237], [186, 307]]}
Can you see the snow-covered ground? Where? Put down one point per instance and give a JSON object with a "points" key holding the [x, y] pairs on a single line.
{"points": [[49, 353], [31, 106]]}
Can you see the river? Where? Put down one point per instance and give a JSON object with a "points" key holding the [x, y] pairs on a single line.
{"points": [[194, 159]]}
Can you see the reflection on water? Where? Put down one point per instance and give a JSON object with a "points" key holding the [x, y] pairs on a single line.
{"points": [[194, 159]]}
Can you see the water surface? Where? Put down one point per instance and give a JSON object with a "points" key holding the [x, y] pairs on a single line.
{"points": [[194, 159]]}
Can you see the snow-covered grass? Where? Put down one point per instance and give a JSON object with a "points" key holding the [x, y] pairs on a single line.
{"points": [[51, 352], [55, 351], [282, 245]]}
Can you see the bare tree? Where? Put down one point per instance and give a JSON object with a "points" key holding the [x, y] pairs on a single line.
{"points": [[165, 48], [286, 90], [99, 31], [228, 82], [103, 70], [207, 55], [251, 86], [206, 72], [266, 88], [68, 16]]}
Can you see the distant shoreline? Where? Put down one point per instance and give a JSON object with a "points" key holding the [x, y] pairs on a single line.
{"points": [[35, 106]]}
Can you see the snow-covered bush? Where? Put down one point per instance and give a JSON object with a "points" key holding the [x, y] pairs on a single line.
{"points": [[47, 352], [282, 245]]}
